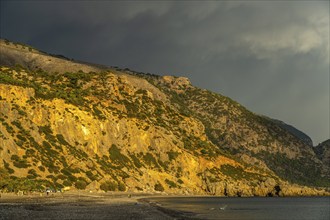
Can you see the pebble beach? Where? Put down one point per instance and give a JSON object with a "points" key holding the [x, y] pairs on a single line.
{"points": [[83, 205]]}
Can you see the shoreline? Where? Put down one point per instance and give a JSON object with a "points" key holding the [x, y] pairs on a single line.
{"points": [[85, 205], [93, 205], [176, 214]]}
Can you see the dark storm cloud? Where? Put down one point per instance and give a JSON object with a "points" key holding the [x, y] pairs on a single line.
{"points": [[272, 57]]}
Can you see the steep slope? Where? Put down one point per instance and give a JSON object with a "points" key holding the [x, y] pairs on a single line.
{"points": [[299, 134], [116, 130], [322, 151], [254, 139]]}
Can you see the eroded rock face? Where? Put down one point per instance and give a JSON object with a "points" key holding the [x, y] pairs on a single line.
{"points": [[110, 130], [268, 188]]}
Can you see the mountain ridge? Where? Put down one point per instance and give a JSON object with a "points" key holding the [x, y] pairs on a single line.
{"points": [[67, 124]]}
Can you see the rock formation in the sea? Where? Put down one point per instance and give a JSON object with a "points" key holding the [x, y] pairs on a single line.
{"points": [[72, 124]]}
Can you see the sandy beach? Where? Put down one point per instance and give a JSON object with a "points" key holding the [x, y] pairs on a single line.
{"points": [[84, 205]]}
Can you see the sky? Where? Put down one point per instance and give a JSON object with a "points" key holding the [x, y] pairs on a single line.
{"points": [[270, 56]]}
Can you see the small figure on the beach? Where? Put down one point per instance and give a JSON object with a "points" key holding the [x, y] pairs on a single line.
{"points": [[223, 207]]}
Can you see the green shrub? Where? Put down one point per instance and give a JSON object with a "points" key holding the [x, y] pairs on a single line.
{"points": [[18, 162], [21, 137], [33, 172], [41, 168], [29, 176], [61, 176], [98, 113], [91, 176], [9, 128], [80, 184], [230, 170], [121, 187], [7, 167], [15, 157], [203, 151], [172, 155], [108, 186], [62, 140], [171, 183], [45, 129], [67, 183], [139, 188], [136, 161], [29, 152], [72, 178], [14, 184], [150, 160], [159, 187], [116, 156], [21, 112], [3, 174], [18, 125]]}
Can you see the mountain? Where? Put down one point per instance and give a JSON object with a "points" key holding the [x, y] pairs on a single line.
{"points": [[294, 131], [67, 124], [322, 151]]}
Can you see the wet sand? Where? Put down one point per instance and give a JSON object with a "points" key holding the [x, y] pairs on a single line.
{"points": [[82, 205]]}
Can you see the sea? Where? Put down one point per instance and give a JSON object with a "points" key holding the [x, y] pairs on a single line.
{"points": [[250, 208]]}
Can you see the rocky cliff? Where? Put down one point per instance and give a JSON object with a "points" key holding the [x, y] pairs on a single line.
{"points": [[322, 151], [71, 124]]}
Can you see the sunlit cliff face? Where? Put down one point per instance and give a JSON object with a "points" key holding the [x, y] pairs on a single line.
{"points": [[122, 130]]}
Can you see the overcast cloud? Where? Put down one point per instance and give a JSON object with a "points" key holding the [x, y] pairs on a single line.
{"points": [[272, 57]]}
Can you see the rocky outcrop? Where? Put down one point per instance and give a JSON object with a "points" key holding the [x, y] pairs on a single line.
{"points": [[268, 187], [177, 84]]}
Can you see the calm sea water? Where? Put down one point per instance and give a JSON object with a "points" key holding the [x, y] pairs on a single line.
{"points": [[287, 208]]}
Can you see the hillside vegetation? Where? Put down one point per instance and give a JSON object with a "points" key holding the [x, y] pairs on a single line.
{"points": [[99, 128]]}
